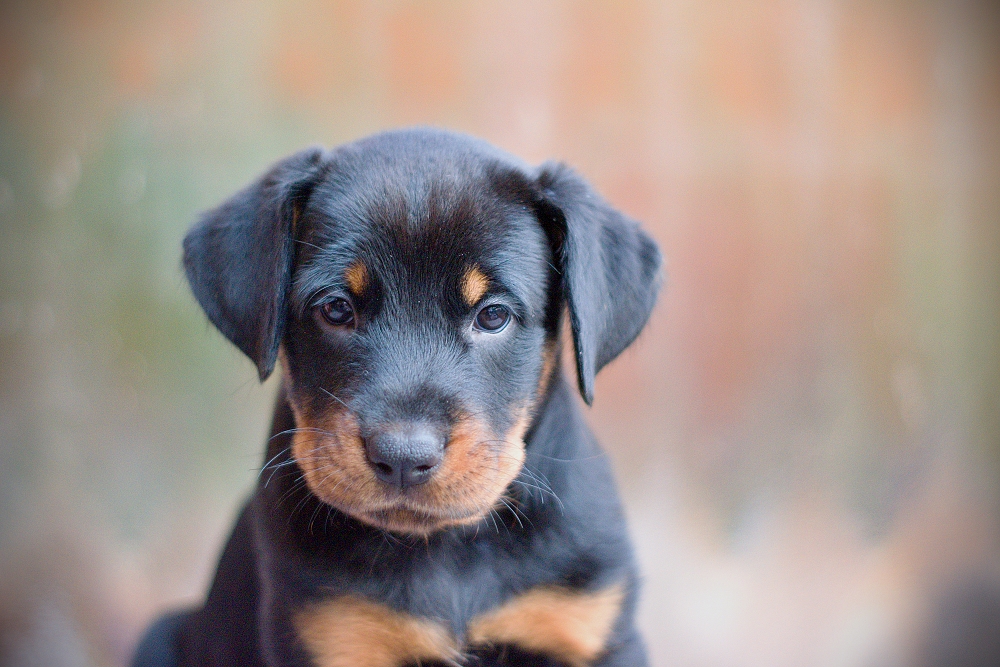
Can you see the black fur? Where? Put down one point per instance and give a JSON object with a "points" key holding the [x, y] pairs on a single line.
{"points": [[238, 258], [418, 207]]}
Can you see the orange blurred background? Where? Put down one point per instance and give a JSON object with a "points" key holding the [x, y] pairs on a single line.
{"points": [[807, 435]]}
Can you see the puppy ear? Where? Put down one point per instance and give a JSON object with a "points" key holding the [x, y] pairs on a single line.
{"points": [[238, 257], [610, 269]]}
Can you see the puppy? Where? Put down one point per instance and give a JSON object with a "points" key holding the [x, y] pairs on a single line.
{"points": [[430, 493]]}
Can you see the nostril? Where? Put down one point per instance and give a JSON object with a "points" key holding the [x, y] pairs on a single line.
{"points": [[384, 470]]}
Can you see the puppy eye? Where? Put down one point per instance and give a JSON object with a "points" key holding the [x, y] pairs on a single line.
{"points": [[337, 312], [492, 319]]}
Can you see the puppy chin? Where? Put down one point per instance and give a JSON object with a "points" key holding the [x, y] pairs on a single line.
{"points": [[415, 522], [406, 512]]}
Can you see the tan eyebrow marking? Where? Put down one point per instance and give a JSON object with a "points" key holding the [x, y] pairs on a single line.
{"points": [[474, 285], [357, 277]]}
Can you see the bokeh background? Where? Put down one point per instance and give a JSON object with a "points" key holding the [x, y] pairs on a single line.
{"points": [[807, 434]]}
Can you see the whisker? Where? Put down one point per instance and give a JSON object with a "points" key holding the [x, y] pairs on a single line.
{"points": [[299, 505], [543, 456], [579, 460], [378, 552], [288, 463], [513, 511], [330, 394], [492, 516], [299, 483], [391, 538], [301, 429], [320, 503], [526, 485], [270, 461], [542, 494], [274, 471], [538, 478], [312, 518]]}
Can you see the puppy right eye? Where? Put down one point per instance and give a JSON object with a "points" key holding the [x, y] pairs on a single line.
{"points": [[337, 312], [492, 319]]}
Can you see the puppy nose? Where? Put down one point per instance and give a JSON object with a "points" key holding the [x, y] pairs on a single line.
{"points": [[406, 455]]}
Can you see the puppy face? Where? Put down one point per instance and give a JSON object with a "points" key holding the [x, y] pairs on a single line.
{"points": [[415, 344], [413, 284]]}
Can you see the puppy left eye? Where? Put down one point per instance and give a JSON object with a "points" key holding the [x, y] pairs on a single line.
{"points": [[337, 312], [492, 319]]}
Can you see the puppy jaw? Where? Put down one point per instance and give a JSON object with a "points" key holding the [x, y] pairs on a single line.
{"points": [[476, 470]]}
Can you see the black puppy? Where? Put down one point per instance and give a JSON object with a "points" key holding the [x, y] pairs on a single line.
{"points": [[431, 493]]}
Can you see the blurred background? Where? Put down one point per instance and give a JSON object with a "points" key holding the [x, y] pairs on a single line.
{"points": [[807, 435]]}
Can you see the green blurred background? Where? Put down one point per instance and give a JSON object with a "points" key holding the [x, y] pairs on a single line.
{"points": [[806, 435]]}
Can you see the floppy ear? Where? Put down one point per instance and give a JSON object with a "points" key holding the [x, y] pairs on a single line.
{"points": [[610, 269], [238, 257]]}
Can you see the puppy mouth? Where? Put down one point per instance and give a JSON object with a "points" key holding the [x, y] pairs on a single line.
{"points": [[470, 481], [409, 510]]}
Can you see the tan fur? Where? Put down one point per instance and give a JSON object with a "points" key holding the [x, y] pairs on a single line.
{"points": [[476, 470], [353, 632], [474, 285], [357, 278], [549, 355], [567, 625]]}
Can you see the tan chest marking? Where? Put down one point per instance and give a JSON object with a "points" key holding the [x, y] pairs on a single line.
{"points": [[474, 286], [354, 632], [570, 626]]}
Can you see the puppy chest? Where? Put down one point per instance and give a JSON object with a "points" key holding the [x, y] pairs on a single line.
{"points": [[570, 626]]}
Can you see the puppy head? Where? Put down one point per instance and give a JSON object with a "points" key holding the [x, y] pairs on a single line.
{"points": [[413, 284]]}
